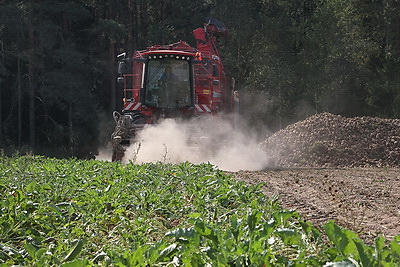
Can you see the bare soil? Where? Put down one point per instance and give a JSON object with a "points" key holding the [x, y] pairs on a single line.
{"points": [[364, 200], [337, 168]]}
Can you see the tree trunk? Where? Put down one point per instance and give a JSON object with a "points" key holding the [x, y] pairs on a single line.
{"points": [[1, 119], [19, 101], [31, 93], [131, 19], [113, 77], [111, 15], [70, 130]]}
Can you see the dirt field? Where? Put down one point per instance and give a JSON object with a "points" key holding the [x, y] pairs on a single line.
{"points": [[365, 200]]}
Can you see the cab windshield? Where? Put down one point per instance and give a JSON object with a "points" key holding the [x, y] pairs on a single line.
{"points": [[168, 83]]}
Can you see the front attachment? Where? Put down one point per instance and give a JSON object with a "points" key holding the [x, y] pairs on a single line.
{"points": [[126, 129]]}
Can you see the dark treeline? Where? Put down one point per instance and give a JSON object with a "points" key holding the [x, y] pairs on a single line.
{"points": [[290, 59]]}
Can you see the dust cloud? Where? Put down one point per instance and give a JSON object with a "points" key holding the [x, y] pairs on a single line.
{"points": [[104, 153], [212, 140]]}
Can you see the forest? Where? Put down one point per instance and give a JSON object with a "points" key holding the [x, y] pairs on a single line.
{"points": [[290, 59]]}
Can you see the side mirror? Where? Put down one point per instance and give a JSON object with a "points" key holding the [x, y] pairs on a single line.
{"points": [[121, 67]]}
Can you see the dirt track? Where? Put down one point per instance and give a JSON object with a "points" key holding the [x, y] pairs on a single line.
{"points": [[365, 200]]}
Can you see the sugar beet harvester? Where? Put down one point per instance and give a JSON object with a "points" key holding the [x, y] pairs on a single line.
{"points": [[173, 81]]}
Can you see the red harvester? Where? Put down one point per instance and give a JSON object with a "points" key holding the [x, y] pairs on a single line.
{"points": [[173, 81]]}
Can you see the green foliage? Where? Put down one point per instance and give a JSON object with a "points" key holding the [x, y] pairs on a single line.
{"points": [[57, 211], [350, 250], [251, 239], [86, 213]]}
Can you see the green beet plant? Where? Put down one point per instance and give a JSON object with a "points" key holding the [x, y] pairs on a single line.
{"points": [[87, 213]]}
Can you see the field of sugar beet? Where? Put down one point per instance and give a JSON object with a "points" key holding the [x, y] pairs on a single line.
{"points": [[89, 213]]}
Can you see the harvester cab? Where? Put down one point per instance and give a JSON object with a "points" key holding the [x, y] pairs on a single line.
{"points": [[168, 83]]}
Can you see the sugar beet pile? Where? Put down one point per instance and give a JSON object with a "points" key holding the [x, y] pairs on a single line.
{"points": [[327, 140]]}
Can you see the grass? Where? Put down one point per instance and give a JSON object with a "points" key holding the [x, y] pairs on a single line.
{"points": [[88, 213]]}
